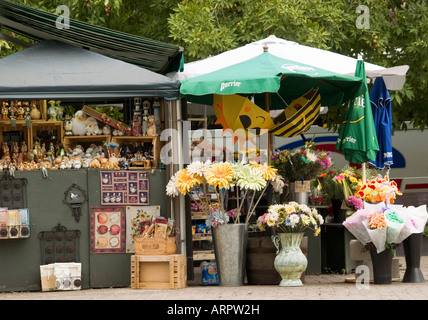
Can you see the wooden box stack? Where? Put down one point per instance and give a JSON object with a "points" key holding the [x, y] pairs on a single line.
{"points": [[158, 271], [155, 246]]}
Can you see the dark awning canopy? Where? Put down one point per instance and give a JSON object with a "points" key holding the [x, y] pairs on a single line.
{"points": [[39, 25], [55, 70]]}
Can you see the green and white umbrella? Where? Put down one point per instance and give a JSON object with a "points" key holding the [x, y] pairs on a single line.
{"points": [[267, 73], [357, 136]]}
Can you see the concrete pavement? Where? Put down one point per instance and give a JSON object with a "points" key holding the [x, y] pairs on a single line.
{"points": [[316, 287]]}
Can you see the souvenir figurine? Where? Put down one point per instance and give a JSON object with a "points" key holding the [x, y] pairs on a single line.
{"points": [[20, 111], [27, 109], [52, 111], [15, 151], [5, 111], [5, 151], [146, 110], [12, 110], [60, 110], [79, 123], [106, 130], [136, 126], [68, 125], [24, 148], [92, 128], [34, 113], [151, 126]]}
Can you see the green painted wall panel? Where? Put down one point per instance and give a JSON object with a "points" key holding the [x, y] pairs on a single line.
{"points": [[20, 259]]}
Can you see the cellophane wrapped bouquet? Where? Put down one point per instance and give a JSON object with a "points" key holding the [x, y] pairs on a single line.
{"points": [[385, 227]]}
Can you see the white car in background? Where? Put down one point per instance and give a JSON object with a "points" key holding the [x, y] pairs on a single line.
{"points": [[410, 156]]}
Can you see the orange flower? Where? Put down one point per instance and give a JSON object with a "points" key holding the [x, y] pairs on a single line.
{"points": [[186, 181], [377, 221], [265, 170], [219, 175]]}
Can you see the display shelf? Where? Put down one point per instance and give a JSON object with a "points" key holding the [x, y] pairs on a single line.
{"points": [[198, 215], [20, 126], [204, 240], [44, 125], [202, 237], [199, 255], [70, 142], [154, 140]]}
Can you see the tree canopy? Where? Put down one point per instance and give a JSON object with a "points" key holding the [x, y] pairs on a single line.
{"points": [[387, 33]]}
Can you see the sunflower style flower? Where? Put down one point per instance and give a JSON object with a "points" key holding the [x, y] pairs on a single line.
{"points": [[247, 178], [186, 181], [171, 188], [219, 175], [199, 177], [268, 172], [198, 167]]}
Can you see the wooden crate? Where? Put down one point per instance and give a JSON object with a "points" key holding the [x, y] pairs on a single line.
{"points": [[154, 140], [69, 142], [155, 246], [158, 271], [99, 116]]}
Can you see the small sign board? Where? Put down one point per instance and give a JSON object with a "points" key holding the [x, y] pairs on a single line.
{"points": [[304, 186]]}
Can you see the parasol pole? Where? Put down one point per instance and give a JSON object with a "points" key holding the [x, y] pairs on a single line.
{"points": [[267, 107]]}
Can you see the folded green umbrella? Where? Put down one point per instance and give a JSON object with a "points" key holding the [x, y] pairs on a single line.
{"points": [[357, 135]]}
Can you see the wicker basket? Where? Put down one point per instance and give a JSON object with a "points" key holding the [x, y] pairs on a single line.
{"points": [[155, 246]]}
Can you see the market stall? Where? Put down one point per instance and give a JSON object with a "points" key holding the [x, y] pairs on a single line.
{"points": [[80, 200]]}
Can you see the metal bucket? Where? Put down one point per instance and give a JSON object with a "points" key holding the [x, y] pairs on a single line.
{"points": [[299, 197], [230, 245]]}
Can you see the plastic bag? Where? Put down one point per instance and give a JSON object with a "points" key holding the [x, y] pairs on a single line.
{"points": [[209, 274]]}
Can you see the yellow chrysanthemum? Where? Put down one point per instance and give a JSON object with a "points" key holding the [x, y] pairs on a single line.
{"points": [[186, 181], [219, 175], [267, 171]]}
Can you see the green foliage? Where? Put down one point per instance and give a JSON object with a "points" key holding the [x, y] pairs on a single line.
{"points": [[398, 33], [114, 112]]}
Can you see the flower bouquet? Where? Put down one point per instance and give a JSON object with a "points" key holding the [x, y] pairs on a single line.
{"points": [[354, 203], [383, 228], [328, 186], [304, 163], [377, 189], [291, 218], [198, 178]]}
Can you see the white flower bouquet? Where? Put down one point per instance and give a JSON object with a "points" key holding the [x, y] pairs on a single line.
{"points": [[291, 217]]}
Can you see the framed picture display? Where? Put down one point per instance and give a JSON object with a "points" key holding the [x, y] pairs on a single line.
{"points": [[135, 215], [130, 188], [107, 230]]}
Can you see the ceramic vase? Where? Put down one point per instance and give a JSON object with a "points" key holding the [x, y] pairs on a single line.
{"points": [[230, 247], [290, 262]]}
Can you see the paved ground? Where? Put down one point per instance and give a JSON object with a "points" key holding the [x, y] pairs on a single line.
{"points": [[316, 287]]}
